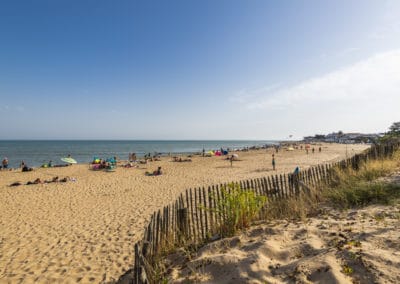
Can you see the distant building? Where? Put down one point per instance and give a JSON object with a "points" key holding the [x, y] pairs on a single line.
{"points": [[345, 138]]}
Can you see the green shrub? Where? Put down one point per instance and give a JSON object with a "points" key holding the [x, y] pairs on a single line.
{"points": [[238, 208]]}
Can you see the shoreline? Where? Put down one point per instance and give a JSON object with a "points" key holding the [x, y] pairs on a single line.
{"points": [[85, 152]]}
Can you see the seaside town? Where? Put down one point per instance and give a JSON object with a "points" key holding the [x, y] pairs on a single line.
{"points": [[346, 138]]}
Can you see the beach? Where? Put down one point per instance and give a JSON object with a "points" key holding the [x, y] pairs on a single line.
{"points": [[84, 230]]}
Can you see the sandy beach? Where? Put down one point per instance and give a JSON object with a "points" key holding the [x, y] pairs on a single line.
{"points": [[84, 230]]}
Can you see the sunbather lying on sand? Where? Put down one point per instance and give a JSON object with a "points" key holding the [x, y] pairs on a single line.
{"points": [[130, 165], [54, 179], [176, 159], [157, 172], [36, 181]]}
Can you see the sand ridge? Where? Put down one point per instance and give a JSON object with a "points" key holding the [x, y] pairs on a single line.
{"points": [[357, 246], [84, 231]]}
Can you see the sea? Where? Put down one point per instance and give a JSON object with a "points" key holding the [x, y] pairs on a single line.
{"points": [[37, 152]]}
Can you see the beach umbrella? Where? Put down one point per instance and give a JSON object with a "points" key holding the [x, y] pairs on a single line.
{"points": [[69, 160]]}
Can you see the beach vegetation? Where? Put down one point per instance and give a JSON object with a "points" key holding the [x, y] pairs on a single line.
{"points": [[238, 208], [347, 188], [351, 188], [393, 134], [347, 269]]}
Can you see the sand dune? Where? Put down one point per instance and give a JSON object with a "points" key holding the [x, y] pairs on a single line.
{"points": [[84, 231], [358, 246]]}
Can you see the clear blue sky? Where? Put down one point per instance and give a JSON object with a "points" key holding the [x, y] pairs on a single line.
{"points": [[197, 69]]}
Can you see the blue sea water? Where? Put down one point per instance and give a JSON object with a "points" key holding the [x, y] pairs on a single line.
{"points": [[36, 152]]}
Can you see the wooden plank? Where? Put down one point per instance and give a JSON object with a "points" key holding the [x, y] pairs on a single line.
{"points": [[250, 186], [192, 216], [167, 224], [267, 188], [189, 235], [283, 190], [201, 215], [218, 212], [276, 186], [286, 185], [157, 232], [205, 198], [174, 228], [197, 216], [153, 229], [271, 189], [211, 210]]}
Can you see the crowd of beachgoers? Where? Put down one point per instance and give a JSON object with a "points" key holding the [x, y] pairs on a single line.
{"points": [[110, 164]]}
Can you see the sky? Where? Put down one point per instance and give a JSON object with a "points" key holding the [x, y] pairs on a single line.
{"points": [[197, 69]]}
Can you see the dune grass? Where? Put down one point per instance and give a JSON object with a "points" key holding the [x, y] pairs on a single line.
{"points": [[350, 188]]}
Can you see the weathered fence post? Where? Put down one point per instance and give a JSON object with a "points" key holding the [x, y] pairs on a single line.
{"points": [[182, 218]]}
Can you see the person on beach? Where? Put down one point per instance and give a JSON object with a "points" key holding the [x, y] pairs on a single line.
{"points": [[54, 179], [319, 149], [231, 160], [273, 162], [313, 150], [5, 163], [36, 181], [24, 167], [157, 172]]}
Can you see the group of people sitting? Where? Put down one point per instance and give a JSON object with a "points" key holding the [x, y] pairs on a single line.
{"points": [[39, 181], [100, 164]]}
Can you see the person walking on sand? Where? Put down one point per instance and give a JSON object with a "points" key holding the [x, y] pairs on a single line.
{"points": [[273, 162], [231, 160]]}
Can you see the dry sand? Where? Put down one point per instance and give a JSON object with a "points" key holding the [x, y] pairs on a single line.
{"points": [[356, 246], [84, 231]]}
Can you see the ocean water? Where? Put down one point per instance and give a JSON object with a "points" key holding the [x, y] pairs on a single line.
{"points": [[36, 152]]}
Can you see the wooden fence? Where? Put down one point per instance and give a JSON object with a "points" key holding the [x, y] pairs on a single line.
{"points": [[193, 218]]}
